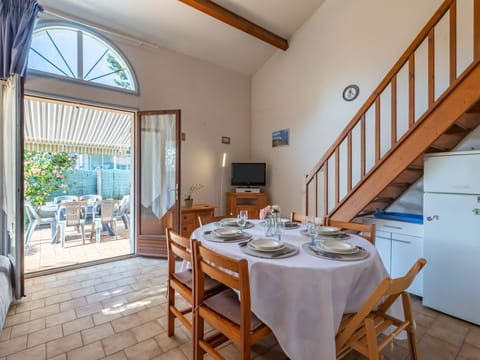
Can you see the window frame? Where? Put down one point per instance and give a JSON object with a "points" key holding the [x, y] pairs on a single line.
{"points": [[45, 24]]}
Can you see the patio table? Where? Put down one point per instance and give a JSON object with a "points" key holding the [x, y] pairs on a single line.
{"points": [[302, 298]]}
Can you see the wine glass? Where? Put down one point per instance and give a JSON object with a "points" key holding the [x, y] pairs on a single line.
{"points": [[242, 219], [311, 229]]}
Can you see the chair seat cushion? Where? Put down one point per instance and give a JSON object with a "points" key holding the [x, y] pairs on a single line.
{"points": [[185, 277], [226, 304]]}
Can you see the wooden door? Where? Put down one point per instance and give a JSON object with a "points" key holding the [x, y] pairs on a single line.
{"points": [[157, 179]]}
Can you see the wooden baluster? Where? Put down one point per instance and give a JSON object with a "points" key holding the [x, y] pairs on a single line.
{"points": [[393, 108], [476, 29], [316, 194], [362, 147], [431, 67], [377, 129], [325, 188], [349, 162], [453, 42], [337, 175], [411, 90]]}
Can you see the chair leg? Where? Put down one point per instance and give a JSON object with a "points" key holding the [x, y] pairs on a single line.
{"points": [[63, 234], [371, 340], [125, 221], [171, 316], [412, 342], [28, 235], [198, 335], [82, 229]]}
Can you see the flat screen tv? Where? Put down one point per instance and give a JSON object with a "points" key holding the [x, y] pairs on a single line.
{"points": [[248, 174]]}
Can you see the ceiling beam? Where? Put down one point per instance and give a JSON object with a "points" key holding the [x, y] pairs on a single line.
{"points": [[232, 19]]}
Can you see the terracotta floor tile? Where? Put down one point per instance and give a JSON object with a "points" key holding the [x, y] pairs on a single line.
{"points": [[45, 311], [126, 322], [59, 357], [77, 325], [97, 333], [5, 334], [88, 309], [27, 328], [473, 336], [64, 344], [143, 351], [167, 343], [117, 356], [72, 304], [174, 354], [118, 342], [106, 315], [58, 298], [17, 319], [147, 330], [431, 348], [44, 336], [38, 352], [13, 345], [468, 351], [29, 305], [450, 330], [60, 318], [92, 351]]}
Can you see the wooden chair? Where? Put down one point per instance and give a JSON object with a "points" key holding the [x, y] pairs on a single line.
{"points": [[182, 282], [203, 220], [229, 311], [361, 331], [294, 217], [367, 231]]}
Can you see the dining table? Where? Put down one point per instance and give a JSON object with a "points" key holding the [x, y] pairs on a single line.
{"points": [[301, 296]]}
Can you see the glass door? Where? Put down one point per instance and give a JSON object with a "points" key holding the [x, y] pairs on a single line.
{"points": [[11, 179], [158, 179]]}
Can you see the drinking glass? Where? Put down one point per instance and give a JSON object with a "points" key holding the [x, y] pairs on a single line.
{"points": [[311, 229], [242, 219]]}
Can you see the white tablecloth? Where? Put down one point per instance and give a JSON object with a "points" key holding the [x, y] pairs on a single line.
{"points": [[302, 298]]}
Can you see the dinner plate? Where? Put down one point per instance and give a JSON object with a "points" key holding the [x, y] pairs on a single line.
{"points": [[290, 225], [229, 222], [266, 245], [327, 230], [227, 232], [337, 247]]}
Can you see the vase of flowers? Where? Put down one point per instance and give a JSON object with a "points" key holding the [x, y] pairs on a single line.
{"points": [[271, 217], [187, 198]]}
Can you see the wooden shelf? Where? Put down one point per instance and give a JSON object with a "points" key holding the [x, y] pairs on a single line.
{"points": [[252, 202]]}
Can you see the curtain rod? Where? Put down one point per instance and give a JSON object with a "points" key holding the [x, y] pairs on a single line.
{"points": [[102, 28]]}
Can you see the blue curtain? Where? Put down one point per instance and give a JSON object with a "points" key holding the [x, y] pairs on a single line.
{"points": [[17, 20]]}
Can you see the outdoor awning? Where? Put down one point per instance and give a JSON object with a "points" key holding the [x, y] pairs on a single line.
{"points": [[57, 126]]}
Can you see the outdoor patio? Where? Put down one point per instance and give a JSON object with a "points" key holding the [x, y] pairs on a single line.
{"points": [[42, 255]]}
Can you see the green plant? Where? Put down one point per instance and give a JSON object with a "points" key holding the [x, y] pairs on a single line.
{"points": [[45, 172]]}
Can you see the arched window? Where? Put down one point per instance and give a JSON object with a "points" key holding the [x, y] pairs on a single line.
{"points": [[76, 53]]}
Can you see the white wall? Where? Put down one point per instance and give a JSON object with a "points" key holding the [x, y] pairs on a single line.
{"points": [[344, 42], [214, 101]]}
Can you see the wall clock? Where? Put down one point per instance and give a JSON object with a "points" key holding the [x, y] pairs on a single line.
{"points": [[351, 92]]}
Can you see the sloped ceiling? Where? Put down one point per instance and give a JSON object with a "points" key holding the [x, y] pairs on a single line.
{"points": [[174, 25]]}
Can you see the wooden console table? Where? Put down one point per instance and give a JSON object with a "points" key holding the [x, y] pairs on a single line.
{"points": [[252, 202], [189, 217]]}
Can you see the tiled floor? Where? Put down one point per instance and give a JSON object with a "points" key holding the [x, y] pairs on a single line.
{"points": [[118, 311], [41, 255]]}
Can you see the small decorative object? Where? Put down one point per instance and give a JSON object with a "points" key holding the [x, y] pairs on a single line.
{"points": [[226, 140], [351, 92], [280, 137], [271, 216], [188, 195]]}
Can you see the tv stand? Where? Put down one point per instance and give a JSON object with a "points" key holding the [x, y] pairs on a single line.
{"points": [[248, 190], [252, 202]]}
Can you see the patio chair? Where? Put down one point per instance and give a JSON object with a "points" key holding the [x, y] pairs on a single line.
{"points": [[104, 215], [34, 220], [64, 198], [71, 214], [123, 211], [228, 311], [370, 329]]}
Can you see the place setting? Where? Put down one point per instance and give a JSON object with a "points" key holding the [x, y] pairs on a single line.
{"points": [[226, 234], [335, 250], [326, 232], [233, 222], [268, 248]]}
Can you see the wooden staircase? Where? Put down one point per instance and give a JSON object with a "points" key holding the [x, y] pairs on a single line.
{"points": [[340, 187]]}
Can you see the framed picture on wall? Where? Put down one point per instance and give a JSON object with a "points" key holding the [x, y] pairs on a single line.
{"points": [[280, 137]]}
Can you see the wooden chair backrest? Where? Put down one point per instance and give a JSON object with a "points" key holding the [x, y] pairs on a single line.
{"points": [[205, 219], [231, 272], [367, 231], [295, 217], [384, 296], [177, 245]]}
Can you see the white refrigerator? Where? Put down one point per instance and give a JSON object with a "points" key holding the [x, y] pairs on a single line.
{"points": [[451, 208]]}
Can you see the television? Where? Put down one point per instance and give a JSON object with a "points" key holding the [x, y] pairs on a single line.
{"points": [[248, 174]]}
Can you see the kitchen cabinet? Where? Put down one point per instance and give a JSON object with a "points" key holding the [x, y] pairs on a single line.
{"points": [[399, 245]]}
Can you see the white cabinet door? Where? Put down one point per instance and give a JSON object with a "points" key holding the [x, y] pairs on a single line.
{"points": [[406, 250], [383, 245]]}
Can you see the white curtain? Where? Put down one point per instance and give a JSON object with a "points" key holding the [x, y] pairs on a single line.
{"points": [[8, 119], [158, 153]]}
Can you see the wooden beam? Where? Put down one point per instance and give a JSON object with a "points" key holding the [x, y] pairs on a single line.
{"points": [[229, 17]]}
